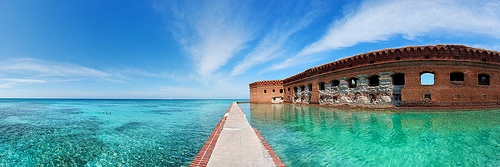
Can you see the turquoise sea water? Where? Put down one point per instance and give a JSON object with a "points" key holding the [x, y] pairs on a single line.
{"points": [[320, 136], [83, 133]]}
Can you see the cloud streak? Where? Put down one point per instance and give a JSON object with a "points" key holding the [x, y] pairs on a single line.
{"points": [[41, 68], [378, 21], [212, 32], [34, 71], [9, 83], [272, 45]]}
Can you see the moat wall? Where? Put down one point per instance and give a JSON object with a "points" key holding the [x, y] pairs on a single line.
{"points": [[462, 76]]}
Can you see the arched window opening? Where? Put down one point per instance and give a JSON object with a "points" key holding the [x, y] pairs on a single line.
{"points": [[310, 87], [281, 90], [427, 78], [265, 91], [289, 90], [295, 89], [274, 90], [427, 96], [457, 76], [321, 86], [398, 79], [352, 82], [335, 83], [483, 79], [302, 88], [374, 80]]}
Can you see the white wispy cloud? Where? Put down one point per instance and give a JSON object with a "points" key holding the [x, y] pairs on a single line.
{"points": [[42, 68], [376, 21], [35, 71], [212, 32], [272, 45], [9, 83]]}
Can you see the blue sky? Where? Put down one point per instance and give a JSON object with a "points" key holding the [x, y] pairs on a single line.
{"points": [[211, 49]]}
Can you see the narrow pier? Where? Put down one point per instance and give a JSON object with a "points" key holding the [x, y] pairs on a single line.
{"points": [[235, 143]]}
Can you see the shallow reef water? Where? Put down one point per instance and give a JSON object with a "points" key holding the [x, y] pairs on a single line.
{"points": [[324, 136], [56, 132]]}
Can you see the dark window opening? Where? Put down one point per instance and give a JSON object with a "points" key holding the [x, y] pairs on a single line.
{"points": [[374, 80], [265, 91], [398, 58], [427, 96], [350, 65], [483, 96], [398, 79], [371, 62], [302, 88], [335, 83], [427, 78], [295, 89], [289, 89], [457, 57], [397, 97], [274, 90], [310, 87], [483, 79], [427, 57], [281, 90], [483, 60], [457, 96], [457, 76], [352, 83], [321, 86]]}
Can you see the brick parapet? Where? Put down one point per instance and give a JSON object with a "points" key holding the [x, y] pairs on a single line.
{"points": [[266, 83], [437, 52]]}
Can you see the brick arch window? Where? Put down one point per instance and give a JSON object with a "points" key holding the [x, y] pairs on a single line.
{"points": [[483, 79], [427, 78], [302, 88], [265, 91], [457, 76], [335, 83], [295, 89], [274, 90], [289, 89], [281, 90], [352, 82], [398, 79], [310, 86], [374, 80], [321, 86]]}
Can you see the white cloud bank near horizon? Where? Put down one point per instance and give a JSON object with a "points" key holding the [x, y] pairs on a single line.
{"points": [[376, 21]]}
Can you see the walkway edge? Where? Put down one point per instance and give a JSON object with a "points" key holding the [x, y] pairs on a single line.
{"points": [[275, 157], [206, 151]]}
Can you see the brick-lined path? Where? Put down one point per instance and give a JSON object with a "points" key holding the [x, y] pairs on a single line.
{"points": [[235, 143]]}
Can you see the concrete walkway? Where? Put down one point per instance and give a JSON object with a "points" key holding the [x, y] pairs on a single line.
{"points": [[238, 144]]}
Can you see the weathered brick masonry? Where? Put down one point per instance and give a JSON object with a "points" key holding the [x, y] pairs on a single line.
{"points": [[458, 76]]}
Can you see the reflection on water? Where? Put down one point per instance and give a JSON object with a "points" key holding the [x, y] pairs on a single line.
{"points": [[323, 136]]}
